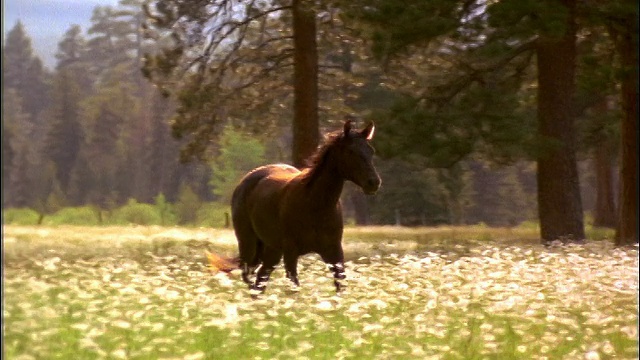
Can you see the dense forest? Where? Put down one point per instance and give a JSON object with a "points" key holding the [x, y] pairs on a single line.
{"points": [[495, 113]]}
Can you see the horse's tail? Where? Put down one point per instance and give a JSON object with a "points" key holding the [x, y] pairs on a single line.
{"points": [[222, 263]]}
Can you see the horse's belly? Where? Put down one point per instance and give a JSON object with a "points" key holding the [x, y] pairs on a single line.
{"points": [[267, 228]]}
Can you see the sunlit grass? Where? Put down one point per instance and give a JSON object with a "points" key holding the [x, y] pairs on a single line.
{"points": [[443, 293]]}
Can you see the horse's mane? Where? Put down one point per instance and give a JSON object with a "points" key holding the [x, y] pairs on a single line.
{"points": [[319, 155], [316, 161]]}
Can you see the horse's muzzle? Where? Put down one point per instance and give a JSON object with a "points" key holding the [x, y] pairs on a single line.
{"points": [[371, 186]]}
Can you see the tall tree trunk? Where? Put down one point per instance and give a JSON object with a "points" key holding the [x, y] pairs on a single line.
{"points": [[605, 211], [627, 47], [559, 203], [305, 83], [604, 159]]}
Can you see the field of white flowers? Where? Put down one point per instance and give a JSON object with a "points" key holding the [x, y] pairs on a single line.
{"points": [[147, 293]]}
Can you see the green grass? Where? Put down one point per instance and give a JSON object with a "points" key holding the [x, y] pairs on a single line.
{"points": [[440, 293]]}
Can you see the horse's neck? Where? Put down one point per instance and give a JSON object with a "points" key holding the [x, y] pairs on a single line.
{"points": [[326, 184]]}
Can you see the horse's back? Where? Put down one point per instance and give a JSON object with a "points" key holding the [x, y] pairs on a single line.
{"points": [[275, 175]]}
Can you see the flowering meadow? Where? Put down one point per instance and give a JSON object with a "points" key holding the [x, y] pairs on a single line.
{"points": [[148, 293]]}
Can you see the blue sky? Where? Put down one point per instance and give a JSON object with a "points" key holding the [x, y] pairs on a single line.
{"points": [[47, 20]]}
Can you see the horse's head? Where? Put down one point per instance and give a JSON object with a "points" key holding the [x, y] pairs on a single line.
{"points": [[356, 158]]}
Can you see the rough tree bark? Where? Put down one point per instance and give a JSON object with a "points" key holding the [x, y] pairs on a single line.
{"points": [[604, 160], [559, 202], [305, 128], [627, 47], [605, 210]]}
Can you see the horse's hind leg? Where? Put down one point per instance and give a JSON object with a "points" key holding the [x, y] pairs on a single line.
{"points": [[249, 246], [251, 262], [249, 268], [270, 258]]}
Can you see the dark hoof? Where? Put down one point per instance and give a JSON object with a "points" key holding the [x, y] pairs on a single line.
{"points": [[255, 291], [260, 288]]}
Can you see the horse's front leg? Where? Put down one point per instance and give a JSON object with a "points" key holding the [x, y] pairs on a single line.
{"points": [[291, 266], [334, 259]]}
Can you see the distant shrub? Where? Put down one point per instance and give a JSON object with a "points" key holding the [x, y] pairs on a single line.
{"points": [[599, 233], [239, 153], [82, 215], [213, 215], [529, 225], [187, 206], [22, 216], [136, 213], [165, 210], [588, 219]]}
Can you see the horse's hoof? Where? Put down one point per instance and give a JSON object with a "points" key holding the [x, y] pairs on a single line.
{"points": [[257, 289], [255, 292], [292, 293]]}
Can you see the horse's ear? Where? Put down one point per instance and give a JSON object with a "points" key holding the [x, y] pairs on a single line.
{"points": [[368, 131], [347, 127]]}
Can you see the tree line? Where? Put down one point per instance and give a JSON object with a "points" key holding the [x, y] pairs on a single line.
{"points": [[483, 109], [93, 130]]}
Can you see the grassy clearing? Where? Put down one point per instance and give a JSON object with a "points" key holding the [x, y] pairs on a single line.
{"points": [[446, 293]]}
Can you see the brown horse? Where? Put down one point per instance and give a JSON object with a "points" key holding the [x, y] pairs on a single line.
{"points": [[279, 210]]}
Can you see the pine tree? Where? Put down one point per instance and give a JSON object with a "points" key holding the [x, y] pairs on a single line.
{"points": [[108, 45], [114, 51], [104, 159], [598, 114], [71, 49], [65, 133], [16, 130], [23, 71], [18, 189], [7, 159], [163, 149], [477, 89], [621, 20], [72, 56], [248, 53], [559, 202]]}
